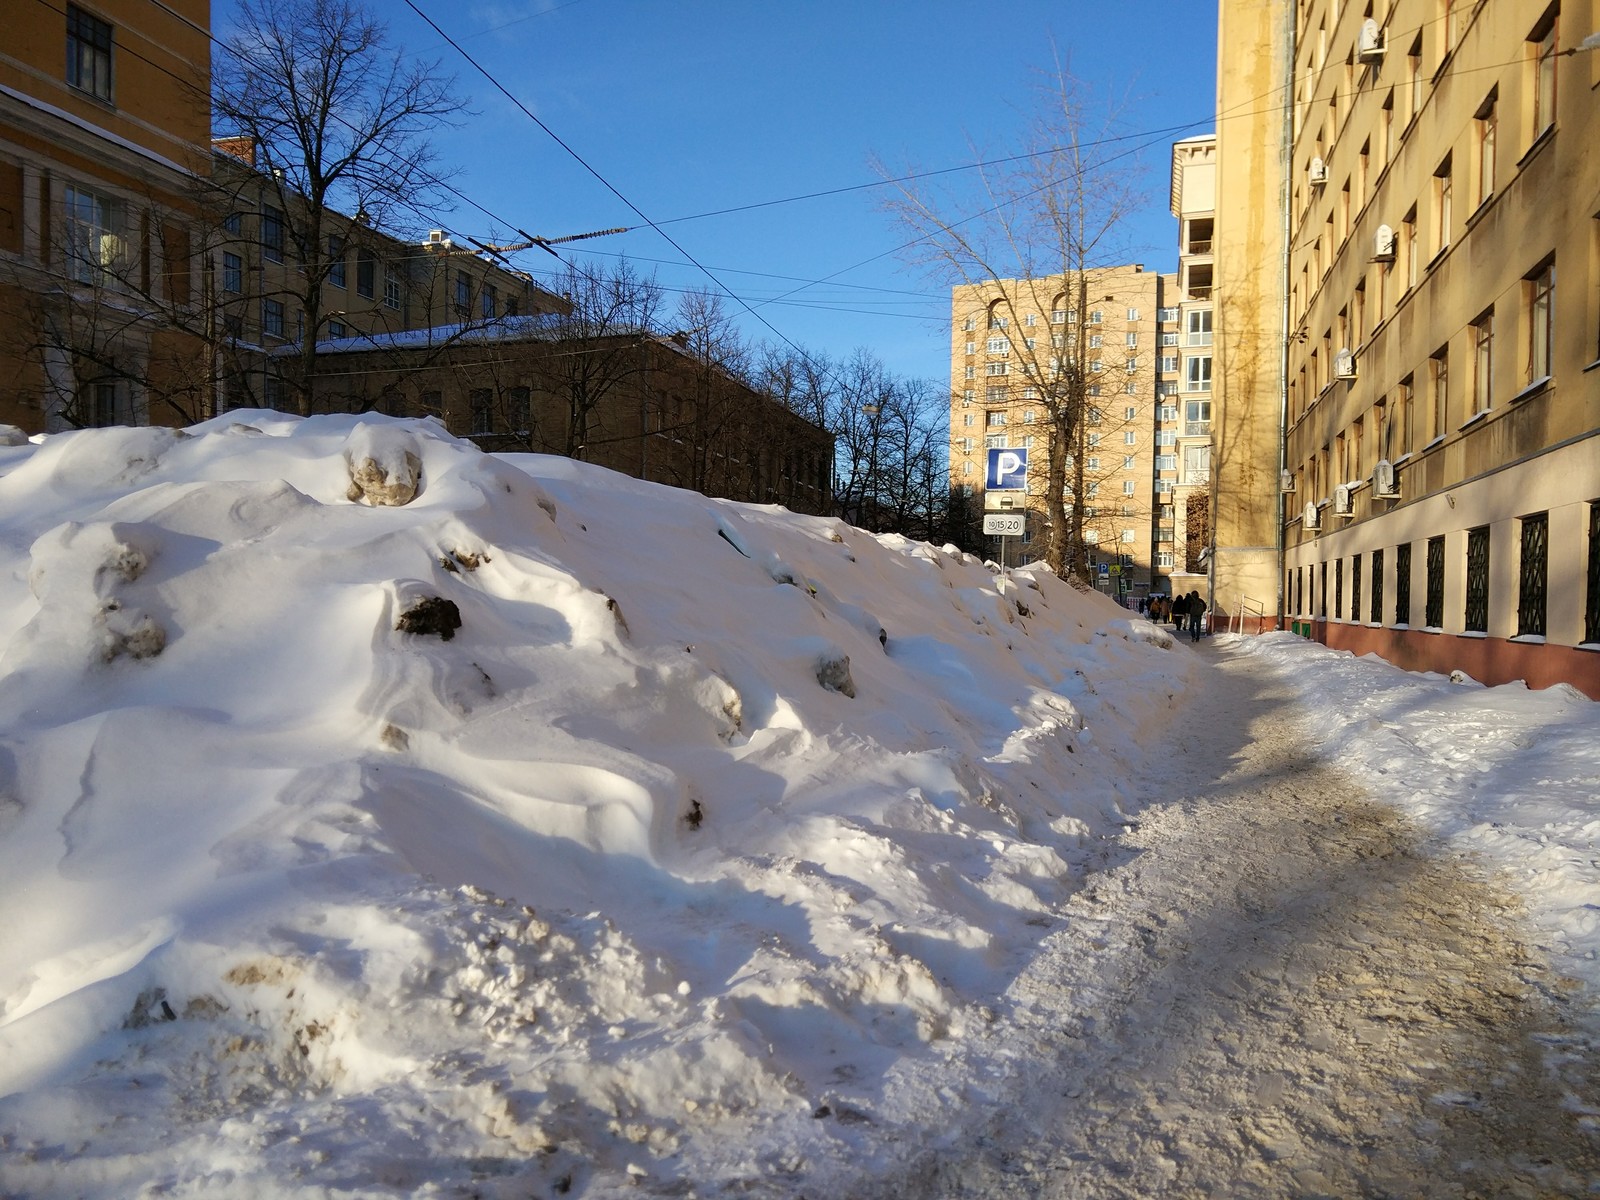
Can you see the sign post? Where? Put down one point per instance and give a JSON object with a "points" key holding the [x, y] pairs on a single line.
{"points": [[1008, 472]]}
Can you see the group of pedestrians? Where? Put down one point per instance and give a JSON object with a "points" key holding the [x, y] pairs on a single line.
{"points": [[1177, 610]]}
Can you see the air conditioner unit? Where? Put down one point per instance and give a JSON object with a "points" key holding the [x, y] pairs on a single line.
{"points": [[1312, 517], [437, 240], [1385, 485], [1318, 172], [1369, 42], [1286, 483], [1344, 500], [1383, 245], [1344, 365]]}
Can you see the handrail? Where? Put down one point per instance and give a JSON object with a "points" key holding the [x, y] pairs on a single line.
{"points": [[1246, 604]]}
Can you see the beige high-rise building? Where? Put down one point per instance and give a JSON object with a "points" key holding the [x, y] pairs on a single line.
{"points": [[1008, 338], [1418, 244]]}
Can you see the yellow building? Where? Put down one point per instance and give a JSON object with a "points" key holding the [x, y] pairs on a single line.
{"points": [[1008, 337], [1194, 203], [103, 122], [1439, 320]]}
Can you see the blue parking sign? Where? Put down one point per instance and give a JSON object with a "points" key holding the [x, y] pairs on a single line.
{"points": [[1008, 470]]}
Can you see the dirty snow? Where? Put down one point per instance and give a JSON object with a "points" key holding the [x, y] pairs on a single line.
{"points": [[707, 855]]}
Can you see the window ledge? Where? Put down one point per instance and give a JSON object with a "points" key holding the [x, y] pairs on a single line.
{"points": [[1592, 366], [1593, 646], [1432, 629], [1546, 135], [1401, 461], [1529, 639], [1433, 443], [1473, 633], [1473, 419], [1438, 256], [1483, 207], [1533, 389], [1402, 626]]}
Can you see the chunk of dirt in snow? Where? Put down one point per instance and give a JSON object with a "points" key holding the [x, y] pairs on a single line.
{"points": [[385, 466], [833, 673], [432, 615]]}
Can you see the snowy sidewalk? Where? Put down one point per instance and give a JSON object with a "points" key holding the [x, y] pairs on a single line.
{"points": [[1278, 988]]}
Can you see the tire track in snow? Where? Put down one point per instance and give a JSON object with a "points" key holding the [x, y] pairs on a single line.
{"points": [[1280, 989]]}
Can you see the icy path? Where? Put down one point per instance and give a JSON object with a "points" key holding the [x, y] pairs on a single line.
{"points": [[1279, 990]]}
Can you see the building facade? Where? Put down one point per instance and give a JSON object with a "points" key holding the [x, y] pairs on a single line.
{"points": [[104, 123], [1439, 190], [647, 405], [1009, 339]]}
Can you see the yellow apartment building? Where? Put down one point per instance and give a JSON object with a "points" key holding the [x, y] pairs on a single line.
{"points": [[103, 123], [1437, 184], [1008, 337]]}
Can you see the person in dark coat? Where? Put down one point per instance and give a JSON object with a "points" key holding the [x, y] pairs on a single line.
{"points": [[1197, 611], [1177, 610]]}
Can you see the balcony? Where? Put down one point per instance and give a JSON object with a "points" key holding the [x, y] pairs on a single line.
{"points": [[1165, 533], [1192, 478], [1197, 429]]}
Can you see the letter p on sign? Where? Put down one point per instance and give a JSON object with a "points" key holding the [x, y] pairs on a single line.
{"points": [[1008, 471]]}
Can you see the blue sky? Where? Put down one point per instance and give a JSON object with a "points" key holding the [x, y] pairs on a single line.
{"points": [[701, 105]]}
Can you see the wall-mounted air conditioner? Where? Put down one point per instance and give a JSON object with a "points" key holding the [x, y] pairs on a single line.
{"points": [[1344, 500], [1383, 245], [1344, 364], [1385, 485], [1369, 42], [437, 241], [1312, 517], [1318, 172]]}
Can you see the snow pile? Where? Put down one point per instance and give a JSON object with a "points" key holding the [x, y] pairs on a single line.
{"points": [[383, 817], [1508, 774]]}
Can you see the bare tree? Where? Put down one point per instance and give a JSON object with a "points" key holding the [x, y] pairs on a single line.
{"points": [[1050, 217], [336, 118]]}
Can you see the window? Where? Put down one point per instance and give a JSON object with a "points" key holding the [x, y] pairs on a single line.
{"points": [[432, 404], [1095, 365], [272, 233], [232, 273], [1414, 80], [1094, 439], [272, 318], [1377, 587], [970, 324], [1477, 610], [1542, 95], [993, 419], [1130, 438], [1196, 464], [391, 290], [1402, 584], [336, 330], [1133, 315], [94, 234], [1094, 416], [999, 322], [520, 410], [1166, 437], [1200, 327], [1127, 462], [1482, 362], [1092, 463], [1031, 320], [1322, 606], [1164, 559], [1058, 316], [1129, 486], [968, 397], [1166, 462], [1031, 343], [998, 345], [88, 53], [1167, 412], [1452, 23], [1539, 290], [481, 403], [1095, 341], [1442, 187], [1408, 247], [336, 274], [488, 303], [1169, 339], [997, 368], [1130, 413], [971, 348], [463, 293], [1338, 589], [1532, 574], [1168, 362], [1198, 377], [1355, 587], [1096, 317], [966, 420], [1439, 394], [1485, 128], [366, 274], [1164, 486], [1132, 339], [1131, 365], [993, 394], [1591, 612], [970, 372], [1196, 418], [995, 441]]}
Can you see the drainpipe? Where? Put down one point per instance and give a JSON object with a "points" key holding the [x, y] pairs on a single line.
{"points": [[1287, 155]]}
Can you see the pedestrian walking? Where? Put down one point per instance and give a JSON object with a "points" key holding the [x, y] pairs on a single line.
{"points": [[1177, 611], [1197, 612]]}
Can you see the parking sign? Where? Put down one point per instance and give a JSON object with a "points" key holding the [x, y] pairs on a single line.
{"points": [[1008, 470]]}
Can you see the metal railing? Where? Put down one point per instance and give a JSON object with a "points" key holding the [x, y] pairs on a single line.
{"points": [[1247, 607]]}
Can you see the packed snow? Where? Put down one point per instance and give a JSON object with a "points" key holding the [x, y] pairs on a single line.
{"points": [[379, 817]]}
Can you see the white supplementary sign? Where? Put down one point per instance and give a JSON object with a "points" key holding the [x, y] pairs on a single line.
{"points": [[1008, 470], [1004, 524]]}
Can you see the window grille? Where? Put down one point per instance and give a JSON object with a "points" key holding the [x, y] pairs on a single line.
{"points": [[1300, 590], [1477, 612], [1355, 587], [1434, 617], [1338, 589], [1533, 573], [1322, 603], [1402, 584], [1377, 587]]}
